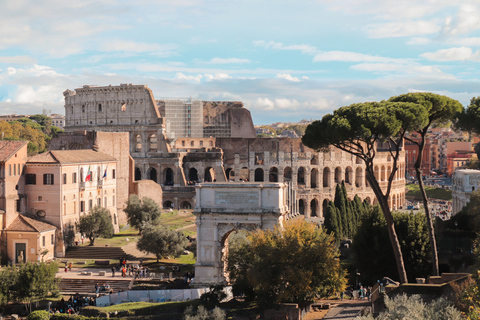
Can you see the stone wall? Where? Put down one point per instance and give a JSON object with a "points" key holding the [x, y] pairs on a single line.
{"points": [[149, 189]]}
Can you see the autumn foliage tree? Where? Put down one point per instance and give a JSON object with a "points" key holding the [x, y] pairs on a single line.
{"points": [[297, 263]]}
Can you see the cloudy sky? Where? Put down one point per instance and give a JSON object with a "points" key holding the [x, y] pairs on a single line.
{"points": [[285, 60]]}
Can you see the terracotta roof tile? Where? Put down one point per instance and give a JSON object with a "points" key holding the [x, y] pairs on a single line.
{"points": [[26, 224], [9, 148], [70, 156]]}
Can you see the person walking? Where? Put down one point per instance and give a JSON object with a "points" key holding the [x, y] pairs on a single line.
{"points": [[113, 271]]}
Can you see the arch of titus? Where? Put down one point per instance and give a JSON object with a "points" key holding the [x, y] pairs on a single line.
{"points": [[222, 208]]}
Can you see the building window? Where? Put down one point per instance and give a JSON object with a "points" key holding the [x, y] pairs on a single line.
{"points": [[74, 177], [124, 107], [192, 143], [99, 107], [99, 202], [31, 178], [90, 204], [14, 170], [82, 206], [17, 205], [9, 169], [43, 241], [113, 174], [201, 143], [183, 143], [18, 169], [51, 239], [48, 179], [64, 178], [40, 198]]}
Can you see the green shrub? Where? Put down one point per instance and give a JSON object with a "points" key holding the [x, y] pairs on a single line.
{"points": [[38, 315]]}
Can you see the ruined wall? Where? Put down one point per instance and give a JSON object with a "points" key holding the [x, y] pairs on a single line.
{"points": [[149, 189], [227, 119]]}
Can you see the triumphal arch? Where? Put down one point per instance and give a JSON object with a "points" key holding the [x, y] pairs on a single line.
{"points": [[222, 208]]}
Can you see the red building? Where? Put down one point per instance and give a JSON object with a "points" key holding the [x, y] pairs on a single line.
{"points": [[411, 156]]}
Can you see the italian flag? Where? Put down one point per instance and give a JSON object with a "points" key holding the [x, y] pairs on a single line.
{"points": [[89, 175]]}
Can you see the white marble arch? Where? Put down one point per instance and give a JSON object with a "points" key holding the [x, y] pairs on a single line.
{"points": [[222, 208]]}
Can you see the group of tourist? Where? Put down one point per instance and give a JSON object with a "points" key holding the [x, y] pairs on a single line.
{"points": [[103, 288], [72, 305]]}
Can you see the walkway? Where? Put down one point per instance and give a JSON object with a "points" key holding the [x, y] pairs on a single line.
{"points": [[344, 310]]}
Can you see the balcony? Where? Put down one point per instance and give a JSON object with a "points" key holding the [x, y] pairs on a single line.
{"points": [[81, 185], [99, 184]]}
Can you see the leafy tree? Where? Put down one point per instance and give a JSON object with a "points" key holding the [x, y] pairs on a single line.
{"points": [[162, 242], [97, 223], [297, 263], [38, 315], [8, 276], [35, 281], [441, 110], [361, 129], [413, 308], [141, 212], [372, 259]]}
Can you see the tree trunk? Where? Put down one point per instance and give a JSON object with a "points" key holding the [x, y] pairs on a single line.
{"points": [[431, 229], [383, 201]]}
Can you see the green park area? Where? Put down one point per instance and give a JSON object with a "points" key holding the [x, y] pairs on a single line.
{"points": [[432, 193]]}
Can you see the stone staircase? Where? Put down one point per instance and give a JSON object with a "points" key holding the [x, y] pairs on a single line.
{"points": [[98, 253], [86, 286]]}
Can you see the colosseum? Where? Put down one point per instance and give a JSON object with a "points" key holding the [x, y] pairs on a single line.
{"points": [[180, 142]]}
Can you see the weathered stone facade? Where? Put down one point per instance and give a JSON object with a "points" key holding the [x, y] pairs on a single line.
{"points": [[177, 164]]}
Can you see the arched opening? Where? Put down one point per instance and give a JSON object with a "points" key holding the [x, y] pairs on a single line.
{"points": [[152, 174], [301, 175], [313, 178], [244, 174], [152, 143], [326, 177], [324, 206], [138, 174], [137, 143], [230, 174], [358, 177], [368, 200], [168, 173], [314, 160], [273, 175], [209, 175], [338, 175], [259, 175], [349, 175], [376, 173], [383, 173], [301, 207], [168, 204], [287, 174], [185, 205], [313, 208], [192, 175]]}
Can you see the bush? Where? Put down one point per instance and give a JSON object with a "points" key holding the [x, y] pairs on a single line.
{"points": [[214, 296], [38, 315], [203, 314]]}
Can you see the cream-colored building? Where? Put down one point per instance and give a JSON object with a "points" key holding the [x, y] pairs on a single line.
{"points": [[62, 185], [464, 182]]}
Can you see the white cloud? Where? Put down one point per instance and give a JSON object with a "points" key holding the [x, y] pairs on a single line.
{"points": [[452, 54], [228, 61], [288, 77], [287, 104], [402, 29], [218, 76], [18, 60], [346, 56], [265, 103], [304, 48], [196, 78], [466, 20]]}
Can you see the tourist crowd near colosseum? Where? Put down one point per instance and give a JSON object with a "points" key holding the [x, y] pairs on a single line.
{"points": [[178, 143]]}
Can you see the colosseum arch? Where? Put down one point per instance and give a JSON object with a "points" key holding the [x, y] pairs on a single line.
{"points": [[209, 175], [259, 175], [244, 174], [358, 177], [301, 175], [152, 174], [152, 143], [338, 175], [314, 178], [185, 205], [138, 174], [382, 174], [137, 143], [167, 204], [325, 206], [376, 173], [287, 174], [192, 175], [230, 173], [349, 175], [273, 175], [326, 177], [301, 206], [313, 208], [169, 177]]}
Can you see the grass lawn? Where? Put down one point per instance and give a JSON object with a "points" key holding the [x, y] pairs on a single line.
{"points": [[432, 193]]}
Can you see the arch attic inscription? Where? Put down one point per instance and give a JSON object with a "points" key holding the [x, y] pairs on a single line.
{"points": [[222, 208]]}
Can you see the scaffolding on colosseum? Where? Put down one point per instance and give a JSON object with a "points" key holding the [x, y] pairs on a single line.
{"points": [[218, 127], [184, 117]]}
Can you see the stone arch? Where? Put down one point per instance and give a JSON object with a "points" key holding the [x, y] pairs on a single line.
{"points": [[210, 175], [137, 143], [167, 204], [273, 175], [389, 172], [230, 174], [301, 175], [169, 176], [138, 174], [376, 173], [287, 174], [314, 178], [382, 173], [185, 205], [326, 177], [301, 206], [358, 177], [349, 175], [338, 175], [313, 208], [244, 174], [192, 175], [152, 143], [152, 174], [259, 175], [325, 206]]}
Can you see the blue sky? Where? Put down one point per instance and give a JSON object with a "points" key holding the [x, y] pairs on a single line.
{"points": [[285, 60]]}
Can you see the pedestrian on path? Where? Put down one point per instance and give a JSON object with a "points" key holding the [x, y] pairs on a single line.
{"points": [[113, 271]]}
